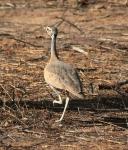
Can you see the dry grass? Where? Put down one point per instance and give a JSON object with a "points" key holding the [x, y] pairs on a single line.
{"points": [[27, 117]]}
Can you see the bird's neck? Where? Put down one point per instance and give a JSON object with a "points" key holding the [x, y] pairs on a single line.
{"points": [[53, 48]]}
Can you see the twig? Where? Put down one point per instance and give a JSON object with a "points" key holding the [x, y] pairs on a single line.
{"points": [[37, 59], [10, 114], [6, 92], [86, 69], [32, 132], [67, 21], [19, 40], [121, 92], [88, 138], [18, 89], [114, 125], [11, 137], [78, 49], [60, 22]]}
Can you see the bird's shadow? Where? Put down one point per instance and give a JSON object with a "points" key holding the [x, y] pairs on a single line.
{"points": [[97, 105]]}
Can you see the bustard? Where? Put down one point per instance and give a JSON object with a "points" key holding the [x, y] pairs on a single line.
{"points": [[60, 75]]}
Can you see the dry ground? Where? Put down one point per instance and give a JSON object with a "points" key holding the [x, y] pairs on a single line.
{"points": [[27, 116]]}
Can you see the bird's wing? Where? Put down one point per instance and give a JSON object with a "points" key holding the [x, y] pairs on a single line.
{"points": [[67, 75]]}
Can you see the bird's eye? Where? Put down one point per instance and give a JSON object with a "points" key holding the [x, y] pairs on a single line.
{"points": [[49, 30]]}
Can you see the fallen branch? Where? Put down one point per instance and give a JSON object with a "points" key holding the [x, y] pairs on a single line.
{"points": [[114, 86], [110, 86]]}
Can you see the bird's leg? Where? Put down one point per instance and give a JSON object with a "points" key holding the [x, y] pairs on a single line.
{"points": [[65, 107], [57, 93]]}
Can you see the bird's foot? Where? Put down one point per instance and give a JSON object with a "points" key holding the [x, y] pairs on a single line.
{"points": [[58, 121], [57, 102]]}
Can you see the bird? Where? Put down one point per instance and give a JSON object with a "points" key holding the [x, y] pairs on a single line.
{"points": [[60, 75]]}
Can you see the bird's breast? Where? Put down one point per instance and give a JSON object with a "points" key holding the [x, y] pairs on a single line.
{"points": [[52, 79]]}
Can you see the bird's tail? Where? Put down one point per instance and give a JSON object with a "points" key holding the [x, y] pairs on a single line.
{"points": [[81, 96]]}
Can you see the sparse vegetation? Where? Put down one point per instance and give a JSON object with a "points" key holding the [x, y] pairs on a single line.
{"points": [[27, 116]]}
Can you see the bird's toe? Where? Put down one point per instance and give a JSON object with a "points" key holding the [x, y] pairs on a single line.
{"points": [[57, 102]]}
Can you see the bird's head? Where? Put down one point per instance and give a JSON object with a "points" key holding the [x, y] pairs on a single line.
{"points": [[52, 31]]}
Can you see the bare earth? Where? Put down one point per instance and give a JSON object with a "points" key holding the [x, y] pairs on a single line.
{"points": [[27, 115]]}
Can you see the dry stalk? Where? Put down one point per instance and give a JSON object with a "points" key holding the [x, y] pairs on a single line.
{"points": [[12, 115], [6, 92]]}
